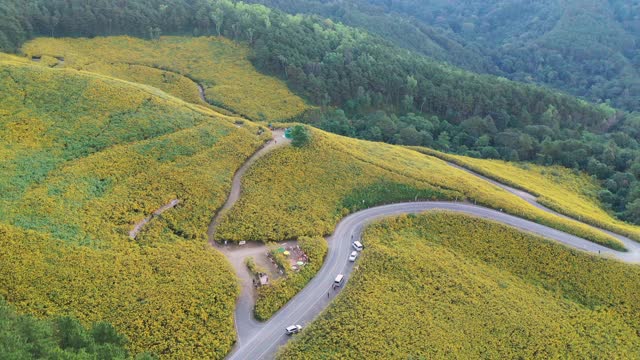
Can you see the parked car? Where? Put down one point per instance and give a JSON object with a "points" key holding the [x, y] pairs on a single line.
{"points": [[293, 329], [357, 245], [338, 281], [353, 256]]}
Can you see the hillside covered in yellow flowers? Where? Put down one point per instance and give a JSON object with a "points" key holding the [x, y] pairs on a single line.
{"points": [[83, 158], [98, 134], [305, 192], [568, 192], [444, 285], [178, 65]]}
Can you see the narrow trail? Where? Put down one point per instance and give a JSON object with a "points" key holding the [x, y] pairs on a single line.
{"points": [[140, 224], [245, 322], [261, 340], [277, 141], [201, 92]]}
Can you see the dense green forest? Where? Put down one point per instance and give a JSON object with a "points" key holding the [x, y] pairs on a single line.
{"points": [[368, 87], [587, 48], [25, 337]]}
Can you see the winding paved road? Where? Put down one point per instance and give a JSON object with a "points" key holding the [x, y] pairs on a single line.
{"points": [[261, 340], [313, 299]]}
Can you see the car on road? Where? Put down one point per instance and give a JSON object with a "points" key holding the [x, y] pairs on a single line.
{"points": [[293, 329], [357, 245], [353, 256], [338, 281]]}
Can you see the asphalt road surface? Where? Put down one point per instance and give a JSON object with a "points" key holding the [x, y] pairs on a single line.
{"points": [[265, 339]]}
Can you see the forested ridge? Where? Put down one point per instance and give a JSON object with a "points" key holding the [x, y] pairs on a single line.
{"points": [[369, 88], [26, 337], [345, 67], [588, 48]]}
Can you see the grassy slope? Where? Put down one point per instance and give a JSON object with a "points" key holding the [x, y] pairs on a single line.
{"points": [[174, 300], [83, 158], [556, 187], [306, 190], [220, 65], [444, 285]]}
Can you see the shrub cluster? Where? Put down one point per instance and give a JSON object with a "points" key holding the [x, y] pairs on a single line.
{"points": [[26, 337], [275, 295]]}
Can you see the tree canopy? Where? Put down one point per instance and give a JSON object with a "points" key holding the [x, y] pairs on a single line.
{"points": [[24, 337]]}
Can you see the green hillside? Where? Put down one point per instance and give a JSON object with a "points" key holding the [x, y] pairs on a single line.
{"points": [[123, 125], [85, 157], [444, 285], [589, 49]]}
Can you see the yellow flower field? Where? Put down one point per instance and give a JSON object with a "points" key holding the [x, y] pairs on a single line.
{"points": [[84, 158], [172, 299], [468, 288], [301, 192], [173, 64], [557, 187], [87, 153]]}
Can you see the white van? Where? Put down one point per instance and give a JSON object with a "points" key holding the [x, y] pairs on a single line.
{"points": [[357, 245], [293, 329], [338, 281]]}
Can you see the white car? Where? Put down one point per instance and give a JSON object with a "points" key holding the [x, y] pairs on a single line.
{"points": [[353, 256], [293, 329], [357, 245]]}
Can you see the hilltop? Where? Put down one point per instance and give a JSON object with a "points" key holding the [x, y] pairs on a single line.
{"points": [[203, 70]]}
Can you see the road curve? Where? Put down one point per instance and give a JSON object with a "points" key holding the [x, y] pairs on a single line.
{"points": [[261, 340], [318, 293], [533, 200]]}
